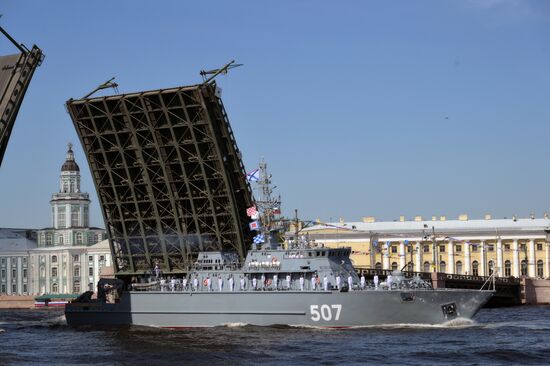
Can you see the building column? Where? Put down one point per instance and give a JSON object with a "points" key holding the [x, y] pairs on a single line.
{"points": [[467, 259], [483, 260], [547, 262], [515, 258], [531, 268], [500, 263], [418, 259], [402, 255], [386, 258], [451, 257]]}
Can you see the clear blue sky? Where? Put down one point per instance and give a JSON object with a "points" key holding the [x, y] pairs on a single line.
{"points": [[359, 107]]}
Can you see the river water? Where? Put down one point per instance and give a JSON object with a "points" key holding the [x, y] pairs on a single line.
{"points": [[518, 335]]}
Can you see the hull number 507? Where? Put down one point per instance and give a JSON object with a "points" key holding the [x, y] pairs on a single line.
{"points": [[325, 312]]}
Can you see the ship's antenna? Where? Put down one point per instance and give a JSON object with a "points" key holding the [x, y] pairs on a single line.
{"points": [[268, 206]]}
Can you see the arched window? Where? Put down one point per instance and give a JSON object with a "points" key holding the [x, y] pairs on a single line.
{"points": [[76, 287], [491, 267], [378, 265], [79, 238], [394, 266], [54, 288], [524, 267], [458, 267], [54, 258], [60, 239], [540, 270], [507, 268], [442, 267], [475, 268], [426, 266]]}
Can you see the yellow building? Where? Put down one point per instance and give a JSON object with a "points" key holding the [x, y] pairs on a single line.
{"points": [[512, 247]]}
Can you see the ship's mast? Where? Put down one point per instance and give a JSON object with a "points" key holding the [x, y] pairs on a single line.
{"points": [[268, 207]]}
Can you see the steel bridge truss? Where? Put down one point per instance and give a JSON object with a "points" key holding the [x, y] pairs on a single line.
{"points": [[168, 174], [16, 72]]}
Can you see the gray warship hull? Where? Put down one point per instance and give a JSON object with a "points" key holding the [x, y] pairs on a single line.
{"points": [[180, 309]]}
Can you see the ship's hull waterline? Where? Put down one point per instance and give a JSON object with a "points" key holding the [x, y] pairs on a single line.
{"points": [[265, 308]]}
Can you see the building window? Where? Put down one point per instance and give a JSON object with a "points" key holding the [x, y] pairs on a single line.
{"points": [[75, 213], [458, 267], [90, 258], [25, 288], [507, 268], [76, 272], [54, 288], [79, 238], [24, 261], [14, 288], [54, 258], [76, 258], [3, 289], [474, 247], [540, 270], [3, 273], [442, 267], [54, 271], [426, 266], [491, 267], [458, 248], [475, 268], [3, 261], [91, 271], [25, 273], [524, 267], [442, 249], [76, 287], [539, 246], [49, 239], [426, 248], [394, 266], [507, 247], [394, 248], [86, 221], [490, 248], [523, 247], [60, 239], [61, 217]]}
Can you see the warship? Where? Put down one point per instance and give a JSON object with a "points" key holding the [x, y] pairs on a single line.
{"points": [[295, 282]]}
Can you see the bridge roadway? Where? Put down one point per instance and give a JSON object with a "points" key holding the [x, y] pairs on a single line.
{"points": [[508, 289]]}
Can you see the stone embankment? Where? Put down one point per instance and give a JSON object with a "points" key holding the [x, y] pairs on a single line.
{"points": [[16, 302]]}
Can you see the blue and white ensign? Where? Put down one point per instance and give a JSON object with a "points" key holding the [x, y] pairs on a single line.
{"points": [[258, 239], [253, 176]]}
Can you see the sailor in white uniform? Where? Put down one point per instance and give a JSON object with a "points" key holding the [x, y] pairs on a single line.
{"points": [[338, 281], [231, 283], [350, 282], [389, 281], [254, 283], [288, 281], [275, 281], [325, 283], [301, 283], [313, 282], [362, 282], [376, 281], [208, 283], [220, 283], [195, 283], [173, 284], [242, 283], [184, 283]]}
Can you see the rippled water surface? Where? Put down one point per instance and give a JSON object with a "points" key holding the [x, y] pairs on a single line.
{"points": [[519, 335]]}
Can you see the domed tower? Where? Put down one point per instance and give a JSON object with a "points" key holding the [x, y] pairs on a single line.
{"points": [[70, 207]]}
